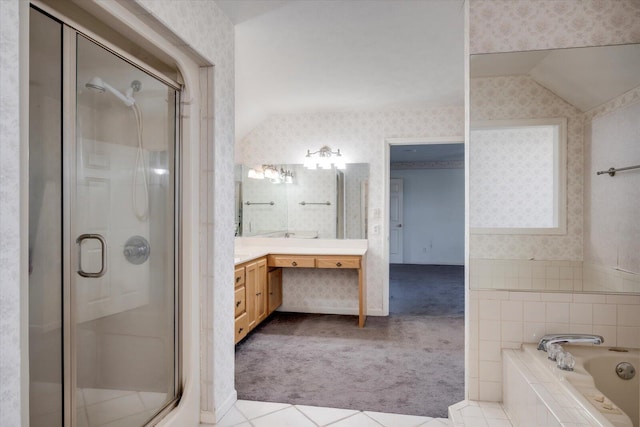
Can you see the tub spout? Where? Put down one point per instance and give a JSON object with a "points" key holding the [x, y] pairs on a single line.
{"points": [[568, 338]]}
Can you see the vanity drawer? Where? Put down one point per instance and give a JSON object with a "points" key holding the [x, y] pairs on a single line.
{"points": [[291, 261], [239, 277], [242, 326], [338, 262], [240, 303]]}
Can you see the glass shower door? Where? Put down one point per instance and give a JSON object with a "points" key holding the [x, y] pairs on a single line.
{"points": [[45, 222], [122, 238]]}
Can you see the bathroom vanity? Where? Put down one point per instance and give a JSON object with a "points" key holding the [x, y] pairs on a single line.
{"points": [[258, 273]]}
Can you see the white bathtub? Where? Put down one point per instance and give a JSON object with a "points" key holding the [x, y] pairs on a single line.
{"points": [[536, 393]]}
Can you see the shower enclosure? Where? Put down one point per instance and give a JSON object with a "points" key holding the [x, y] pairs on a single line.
{"points": [[103, 287]]}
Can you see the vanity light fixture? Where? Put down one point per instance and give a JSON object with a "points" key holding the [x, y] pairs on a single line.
{"points": [[272, 173], [324, 158]]}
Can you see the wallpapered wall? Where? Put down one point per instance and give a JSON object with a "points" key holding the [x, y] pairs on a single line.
{"points": [[612, 230], [10, 367], [513, 25], [494, 98], [360, 137]]}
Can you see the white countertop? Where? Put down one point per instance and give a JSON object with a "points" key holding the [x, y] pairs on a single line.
{"points": [[248, 248]]}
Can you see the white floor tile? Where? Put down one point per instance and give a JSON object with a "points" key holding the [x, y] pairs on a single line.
{"points": [[437, 422], [397, 420], [475, 421], [499, 423], [358, 420], [325, 416], [82, 419], [114, 409], [97, 395], [232, 418], [472, 411], [252, 409], [152, 400], [494, 413], [289, 417], [132, 420]]}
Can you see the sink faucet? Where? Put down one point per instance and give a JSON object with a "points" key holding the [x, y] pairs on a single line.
{"points": [[549, 339]]}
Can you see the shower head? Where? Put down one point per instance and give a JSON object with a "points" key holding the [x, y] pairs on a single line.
{"points": [[96, 83]]}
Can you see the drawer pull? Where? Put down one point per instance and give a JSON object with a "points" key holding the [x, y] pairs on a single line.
{"points": [[237, 279], [238, 303], [294, 263], [338, 264], [258, 294], [240, 330]]}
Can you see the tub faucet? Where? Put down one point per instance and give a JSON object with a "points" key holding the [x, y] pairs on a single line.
{"points": [[568, 338]]}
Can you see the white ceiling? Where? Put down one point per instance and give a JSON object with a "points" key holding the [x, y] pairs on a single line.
{"points": [[335, 55], [584, 77]]}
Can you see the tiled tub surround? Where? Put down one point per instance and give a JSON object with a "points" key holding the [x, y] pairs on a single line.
{"points": [[506, 319], [549, 275], [539, 394]]}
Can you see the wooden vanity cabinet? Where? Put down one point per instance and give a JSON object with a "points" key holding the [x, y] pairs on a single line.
{"points": [[240, 304], [251, 302], [274, 285]]}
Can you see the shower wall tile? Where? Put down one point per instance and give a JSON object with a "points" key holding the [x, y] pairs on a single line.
{"points": [[515, 25], [204, 27], [10, 249], [284, 139]]}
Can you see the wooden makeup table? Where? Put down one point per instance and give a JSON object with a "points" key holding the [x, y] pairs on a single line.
{"points": [[328, 261]]}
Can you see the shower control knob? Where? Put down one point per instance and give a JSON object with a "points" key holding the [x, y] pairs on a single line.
{"points": [[137, 250]]}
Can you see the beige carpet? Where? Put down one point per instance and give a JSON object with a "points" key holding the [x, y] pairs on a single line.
{"points": [[404, 363]]}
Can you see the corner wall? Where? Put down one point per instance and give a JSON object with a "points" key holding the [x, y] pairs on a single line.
{"points": [[514, 25]]}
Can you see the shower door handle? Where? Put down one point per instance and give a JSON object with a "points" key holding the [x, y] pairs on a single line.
{"points": [[103, 249]]}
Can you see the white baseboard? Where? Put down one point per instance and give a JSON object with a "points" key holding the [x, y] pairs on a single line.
{"points": [[208, 417]]}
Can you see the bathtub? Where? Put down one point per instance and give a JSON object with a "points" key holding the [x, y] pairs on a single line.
{"points": [[537, 393]]}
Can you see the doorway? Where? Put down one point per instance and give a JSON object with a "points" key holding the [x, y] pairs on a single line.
{"points": [[103, 287], [426, 219]]}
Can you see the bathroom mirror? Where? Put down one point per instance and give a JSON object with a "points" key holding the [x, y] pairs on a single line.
{"points": [[596, 91], [320, 203]]}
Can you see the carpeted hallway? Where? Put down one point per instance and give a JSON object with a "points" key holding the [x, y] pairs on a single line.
{"points": [[411, 362]]}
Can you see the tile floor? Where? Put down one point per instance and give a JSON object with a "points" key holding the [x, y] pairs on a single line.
{"points": [[116, 408], [95, 407], [246, 413], [478, 414]]}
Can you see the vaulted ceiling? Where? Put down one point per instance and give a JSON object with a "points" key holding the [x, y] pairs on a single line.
{"points": [[334, 55]]}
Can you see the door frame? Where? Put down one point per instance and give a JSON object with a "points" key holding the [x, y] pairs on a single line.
{"points": [[388, 142]]}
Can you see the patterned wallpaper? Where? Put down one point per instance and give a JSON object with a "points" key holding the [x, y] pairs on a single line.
{"points": [[494, 98], [360, 136], [10, 373], [511, 177], [503, 26], [203, 26], [514, 25], [612, 230]]}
